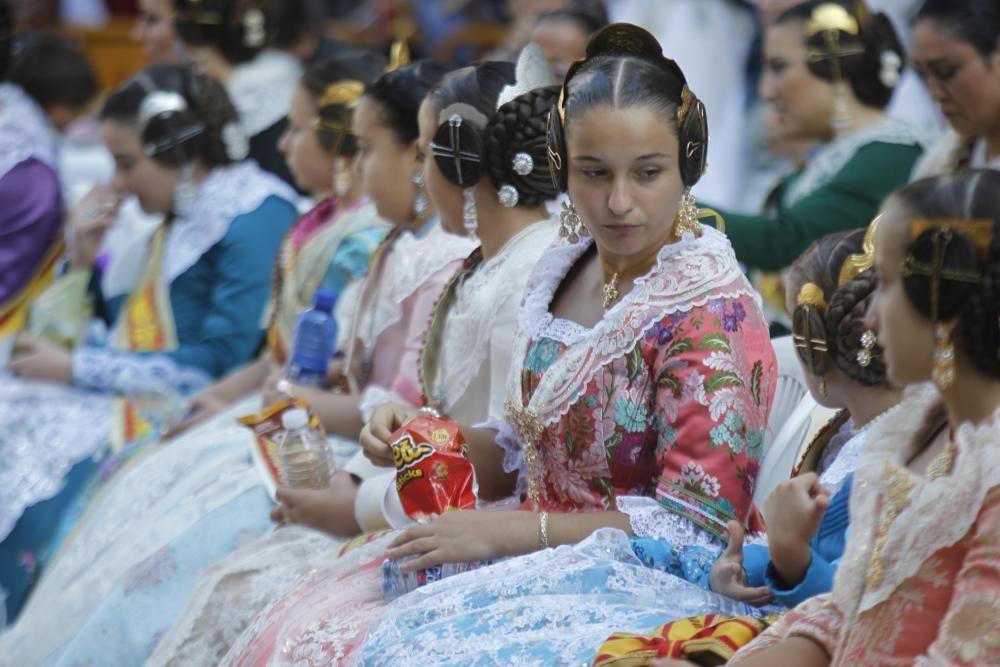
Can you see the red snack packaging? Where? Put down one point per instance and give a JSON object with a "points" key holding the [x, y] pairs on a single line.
{"points": [[433, 473]]}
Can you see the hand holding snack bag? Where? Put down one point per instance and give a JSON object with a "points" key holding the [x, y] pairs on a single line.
{"points": [[433, 476]]}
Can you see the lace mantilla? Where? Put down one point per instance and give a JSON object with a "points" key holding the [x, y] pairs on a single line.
{"points": [[688, 274], [937, 513], [135, 374], [25, 131], [832, 158], [262, 88], [479, 301], [227, 193]]}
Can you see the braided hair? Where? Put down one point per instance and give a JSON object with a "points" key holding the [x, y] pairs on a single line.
{"points": [[843, 317], [972, 197]]}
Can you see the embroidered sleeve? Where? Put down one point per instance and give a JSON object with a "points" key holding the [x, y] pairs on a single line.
{"points": [[712, 369], [817, 619], [134, 374], [970, 632]]}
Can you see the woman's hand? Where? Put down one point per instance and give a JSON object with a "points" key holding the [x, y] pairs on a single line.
{"points": [[460, 536], [727, 576], [375, 436], [202, 407], [793, 513], [34, 360], [87, 223], [330, 510]]}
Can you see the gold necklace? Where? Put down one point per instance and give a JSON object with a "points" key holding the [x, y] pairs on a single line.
{"points": [[943, 463], [610, 288]]}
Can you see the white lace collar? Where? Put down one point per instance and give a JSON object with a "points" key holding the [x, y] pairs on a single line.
{"points": [[471, 321], [938, 513], [25, 131], [227, 193], [262, 88], [687, 274], [830, 159]]}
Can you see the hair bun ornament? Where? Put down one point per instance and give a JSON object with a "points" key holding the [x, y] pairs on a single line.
{"points": [[457, 148], [809, 334]]}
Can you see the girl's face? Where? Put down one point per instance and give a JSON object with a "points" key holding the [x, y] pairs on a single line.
{"points": [[150, 181], [385, 164], [963, 83], [311, 166], [802, 103], [445, 195], [154, 28], [906, 336], [624, 177]]}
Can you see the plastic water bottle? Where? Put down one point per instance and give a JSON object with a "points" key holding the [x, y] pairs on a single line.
{"points": [[315, 338], [303, 453]]}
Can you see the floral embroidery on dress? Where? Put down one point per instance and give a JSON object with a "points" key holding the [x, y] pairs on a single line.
{"points": [[971, 629]]}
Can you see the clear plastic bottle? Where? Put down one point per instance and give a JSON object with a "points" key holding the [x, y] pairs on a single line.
{"points": [[315, 338], [303, 453], [395, 582]]}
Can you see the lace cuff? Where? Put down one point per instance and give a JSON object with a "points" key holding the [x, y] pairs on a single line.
{"points": [[513, 457], [134, 374], [650, 519]]}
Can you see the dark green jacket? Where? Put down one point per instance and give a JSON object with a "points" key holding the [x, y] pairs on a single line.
{"points": [[848, 199]]}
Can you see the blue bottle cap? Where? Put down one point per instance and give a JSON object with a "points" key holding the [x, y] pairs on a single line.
{"points": [[324, 299]]}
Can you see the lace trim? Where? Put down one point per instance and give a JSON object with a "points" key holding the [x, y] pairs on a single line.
{"points": [[648, 518], [25, 131], [133, 374], [828, 162], [44, 431], [262, 88], [688, 274], [513, 456], [493, 291], [226, 194], [845, 460], [411, 261], [939, 512]]}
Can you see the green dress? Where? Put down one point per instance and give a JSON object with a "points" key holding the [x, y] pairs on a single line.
{"points": [[842, 187]]}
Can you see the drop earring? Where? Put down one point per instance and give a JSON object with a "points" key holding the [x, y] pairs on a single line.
{"points": [[469, 215], [184, 192], [421, 205], [571, 226], [341, 178], [686, 221], [943, 371], [841, 120]]}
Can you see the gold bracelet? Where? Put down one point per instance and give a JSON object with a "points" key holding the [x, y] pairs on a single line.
{"points": [[543, 530]]}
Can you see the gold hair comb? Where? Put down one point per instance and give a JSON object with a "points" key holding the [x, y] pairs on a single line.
{"points": [[858, 264]]}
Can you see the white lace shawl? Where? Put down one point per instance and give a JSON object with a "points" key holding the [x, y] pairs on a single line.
{"points": [[227, 193], [25, 131], [938, 514], [826, 163], [481, 324], [262, 88]]}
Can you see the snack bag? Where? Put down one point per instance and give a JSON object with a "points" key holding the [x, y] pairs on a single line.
{"points": [[266, 426], [433, 473]]}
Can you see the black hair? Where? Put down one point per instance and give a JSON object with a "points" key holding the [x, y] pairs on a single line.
{"points": [[289, 20], [843, 319], [630, 81], [54, 71], [862, 70], [208, 107], [6, 37], [973, 196], [399, 94], [976, 22], [589, 16], [237, 29], [363, 67]]}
